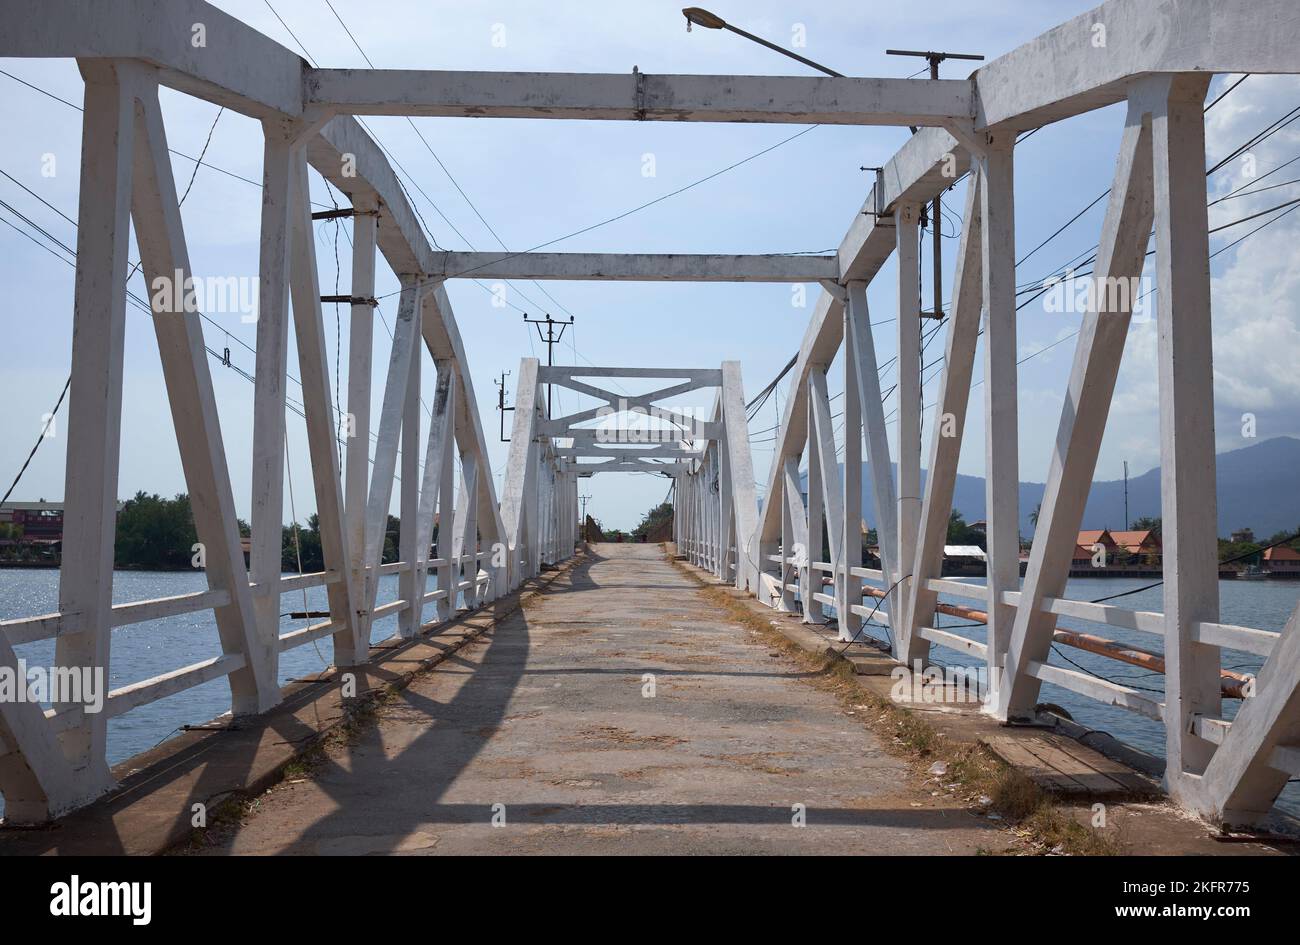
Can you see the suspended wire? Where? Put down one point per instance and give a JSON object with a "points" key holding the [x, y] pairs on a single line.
{"points": [[650, 203]]}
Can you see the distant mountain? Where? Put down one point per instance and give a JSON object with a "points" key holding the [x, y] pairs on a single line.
{"points": [[1258, 488]]}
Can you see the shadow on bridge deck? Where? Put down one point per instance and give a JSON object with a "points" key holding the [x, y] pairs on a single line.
{"points": [[611, 714], [153, 808]]}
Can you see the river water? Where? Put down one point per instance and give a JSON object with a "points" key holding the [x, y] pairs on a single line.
{"points": [[147, 649], [1263, 605]]}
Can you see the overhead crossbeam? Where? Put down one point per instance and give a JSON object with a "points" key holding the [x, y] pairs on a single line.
{"points": [[592, 452], [638, 96], [1063, 72], [639, 267], [588, 469]]}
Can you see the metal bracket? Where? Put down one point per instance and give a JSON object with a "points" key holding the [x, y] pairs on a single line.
{"points": [[834, 290], [343, 212], [351, 300], [639, 100], [976, 143]]}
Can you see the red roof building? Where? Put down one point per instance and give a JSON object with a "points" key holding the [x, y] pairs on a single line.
{"points": [[1282, 559]]}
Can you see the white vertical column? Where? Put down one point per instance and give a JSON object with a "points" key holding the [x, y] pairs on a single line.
{"points": [[95, 396], [851, 595], [823, 435], [812, 609], [946, 432], [866, 379], [410, 587], [1187, 473], [350, 636], [518, 496], [439, 443], [270, 379], [447, 571], [1001, 456], [728, 538], [798, 517], [467, 525], [740, 462], [715, 515], [784, 598], [360, 362], [406, 335], [908, 394]]}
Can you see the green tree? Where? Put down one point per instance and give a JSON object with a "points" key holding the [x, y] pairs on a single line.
{"points": [[154, 533], [653, 520], [1245, 552], [302, 541], [1277, 537], [1146, 523], [959, 533]]}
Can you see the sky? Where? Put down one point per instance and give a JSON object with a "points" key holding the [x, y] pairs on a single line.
{"points": [[535, 180]]}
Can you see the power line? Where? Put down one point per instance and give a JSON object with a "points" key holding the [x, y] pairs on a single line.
{"points": [[640, 207]]}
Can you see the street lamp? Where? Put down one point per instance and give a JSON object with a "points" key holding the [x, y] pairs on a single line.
{"points": [[711, 21]]}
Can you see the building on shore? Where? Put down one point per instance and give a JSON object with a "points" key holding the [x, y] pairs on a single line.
{"points": [[1281, 561], [1105, 553], [31, 533]]}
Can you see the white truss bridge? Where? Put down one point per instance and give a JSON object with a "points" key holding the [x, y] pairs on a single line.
{"points": [[1158, 59]]}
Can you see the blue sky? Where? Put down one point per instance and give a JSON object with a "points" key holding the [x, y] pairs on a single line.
{"points": [[536, 180]]}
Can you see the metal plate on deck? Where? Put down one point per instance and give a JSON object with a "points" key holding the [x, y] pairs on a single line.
{"points": [[1062, 766]]}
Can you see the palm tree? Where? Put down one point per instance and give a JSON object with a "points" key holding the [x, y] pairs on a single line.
{"points": [[1033, 516]]}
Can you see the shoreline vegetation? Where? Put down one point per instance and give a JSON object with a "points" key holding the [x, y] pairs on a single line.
{"points": [[158, 534]]}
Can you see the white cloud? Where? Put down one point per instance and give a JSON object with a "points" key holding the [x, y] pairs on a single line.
{"points": [[1255, 285]]}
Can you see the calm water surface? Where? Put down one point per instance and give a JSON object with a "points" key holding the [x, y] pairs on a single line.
{"points": [[147, 649], [143, 650], [1264, 605]]}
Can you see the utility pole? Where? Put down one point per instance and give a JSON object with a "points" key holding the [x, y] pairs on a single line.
{"points": [[936, 215], [583, 499], [1126, 495], [501, 403], [550, 339]]}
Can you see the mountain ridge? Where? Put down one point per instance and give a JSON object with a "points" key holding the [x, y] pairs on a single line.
{"points": [[1257, 489]]}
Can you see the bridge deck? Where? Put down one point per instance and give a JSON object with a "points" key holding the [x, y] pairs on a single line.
{"points": [[545, 715]]}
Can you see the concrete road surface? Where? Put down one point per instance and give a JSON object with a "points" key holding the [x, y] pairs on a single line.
{"points": [[616, 713]]}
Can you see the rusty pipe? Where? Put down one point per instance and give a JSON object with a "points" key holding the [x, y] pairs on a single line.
{"points": [[1232, 683]]}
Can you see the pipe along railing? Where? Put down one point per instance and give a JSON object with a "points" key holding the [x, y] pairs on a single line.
{"points": [[1233, 682]]}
